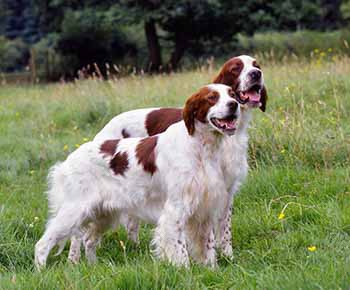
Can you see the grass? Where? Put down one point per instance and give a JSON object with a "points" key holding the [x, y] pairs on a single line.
{"points": [[299, 158]]}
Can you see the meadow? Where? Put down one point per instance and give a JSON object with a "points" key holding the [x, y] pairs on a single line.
{"points": [[291, 221]]}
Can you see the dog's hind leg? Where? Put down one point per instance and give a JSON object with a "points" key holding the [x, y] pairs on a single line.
{"points": [[133, 229], [68, 219], [74, 250], [94, 234]]}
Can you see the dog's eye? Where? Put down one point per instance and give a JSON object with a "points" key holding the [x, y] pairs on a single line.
{"points": [[256, 65], [213, 98]]}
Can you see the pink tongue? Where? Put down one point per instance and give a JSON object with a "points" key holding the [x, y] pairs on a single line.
{"points": [[253, 96], [229, 125]]}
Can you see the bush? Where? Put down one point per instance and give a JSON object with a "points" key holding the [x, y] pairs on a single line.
{"points": [[88, 37], [14, 55], [49, 63]]}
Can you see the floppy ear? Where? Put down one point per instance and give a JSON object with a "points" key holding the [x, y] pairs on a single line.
{"points": [[225, 76], [189, 113], [263, 99]]}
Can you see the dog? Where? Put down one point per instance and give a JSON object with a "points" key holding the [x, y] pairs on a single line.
{"points": [[173, 179], [244, 75]]}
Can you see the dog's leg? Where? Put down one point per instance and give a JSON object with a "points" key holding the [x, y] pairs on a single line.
{"points": [[94, 234], [170, 238], [201, 242], [133, 229], [74, 250], [61, 227], [225, 241], [91, 239]]}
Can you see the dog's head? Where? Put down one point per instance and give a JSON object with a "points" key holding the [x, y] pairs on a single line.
{"points": [[214, 105], [245, 77]]}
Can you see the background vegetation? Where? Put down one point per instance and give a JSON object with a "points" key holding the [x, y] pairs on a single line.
{"points": [[291, 222], [56, 38]]}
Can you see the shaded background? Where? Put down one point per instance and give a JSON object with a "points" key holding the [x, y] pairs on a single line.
{"points": [[53, 39]]}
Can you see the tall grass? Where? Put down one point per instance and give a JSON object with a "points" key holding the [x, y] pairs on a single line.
{"points": [[299, 156], [303, 44]]}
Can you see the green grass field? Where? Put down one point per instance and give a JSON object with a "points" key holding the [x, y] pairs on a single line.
{"points": [[291, 222]]}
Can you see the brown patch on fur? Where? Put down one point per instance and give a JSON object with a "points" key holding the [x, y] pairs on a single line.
{"points": [[145, 153], [263, 99], [229, 73], [158, 121], [197, 107], [119, 162], [109, 147], [125, 133]]}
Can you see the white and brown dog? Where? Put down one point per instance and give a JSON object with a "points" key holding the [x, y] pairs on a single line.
{"points": [[245, 77], [174, 179]]}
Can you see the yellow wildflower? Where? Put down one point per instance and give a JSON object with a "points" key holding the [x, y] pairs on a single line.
{"points": [[122, 245], [65, 147], [316, 50], [31, 172], [312, 248], [283, 151], [86, 139], [281, 216], [77, 145]]}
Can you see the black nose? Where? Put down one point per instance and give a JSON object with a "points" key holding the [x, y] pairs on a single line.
{"points": [[232, 106], [255, 75]]}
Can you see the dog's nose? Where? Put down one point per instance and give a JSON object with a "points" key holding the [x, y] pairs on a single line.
{"points": [[233, 106], [255, 75]]}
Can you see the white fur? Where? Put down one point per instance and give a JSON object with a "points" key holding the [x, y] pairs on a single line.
{"points": [[185, 197]]}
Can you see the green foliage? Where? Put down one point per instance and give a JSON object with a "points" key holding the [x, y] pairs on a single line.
{"points": [[21, 20], [345, 10], [14, 55], [88, 37], [307, 44]]}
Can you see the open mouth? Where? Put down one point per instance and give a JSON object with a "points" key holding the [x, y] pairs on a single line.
{"points": [[251, 96], [227, 125]]}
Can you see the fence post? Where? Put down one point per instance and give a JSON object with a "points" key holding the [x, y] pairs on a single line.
{"points": [[32, 65]]}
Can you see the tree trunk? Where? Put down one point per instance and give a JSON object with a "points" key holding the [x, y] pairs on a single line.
{"points": [[155, 57], [181, 42], [331, 15]]}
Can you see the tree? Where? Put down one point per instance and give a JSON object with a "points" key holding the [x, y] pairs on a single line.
{"points": [[331, 14], [183, 23], [21, 21]]}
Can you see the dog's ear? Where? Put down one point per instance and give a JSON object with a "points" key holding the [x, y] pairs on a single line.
{"points": [[189, 112], [197, 107], [263, 99], [229, 73]]}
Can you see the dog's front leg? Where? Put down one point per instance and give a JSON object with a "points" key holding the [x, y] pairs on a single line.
{"points": [[170, 237], [225, 241], [201, 242]]}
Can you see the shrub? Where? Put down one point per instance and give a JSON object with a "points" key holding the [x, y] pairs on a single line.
{"points": [[14, 55], [88, 37]]}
